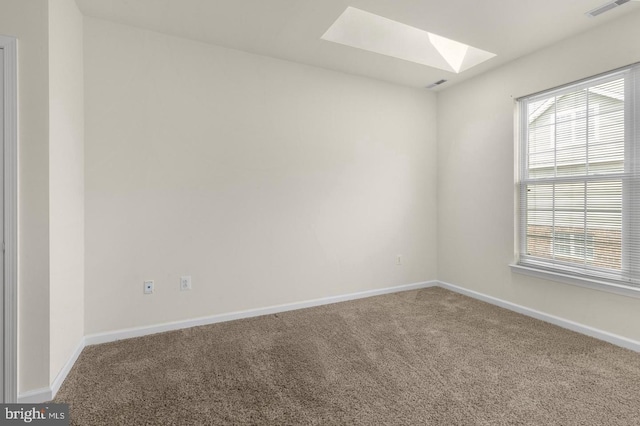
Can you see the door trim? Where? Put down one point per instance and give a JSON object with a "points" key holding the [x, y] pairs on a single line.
{"points": [[10, 343]]}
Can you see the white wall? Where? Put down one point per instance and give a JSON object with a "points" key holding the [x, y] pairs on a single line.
{"points": [[27, 20], [66, 182], [267, 181], [476, 177]]}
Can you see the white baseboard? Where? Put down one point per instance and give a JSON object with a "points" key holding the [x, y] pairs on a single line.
{"points": [[35, 396], [57, 382], [110, 336], [564, 323], [47, 394]]}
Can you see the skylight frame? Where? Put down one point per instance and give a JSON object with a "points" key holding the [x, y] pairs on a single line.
{"points": [[367, 31]]}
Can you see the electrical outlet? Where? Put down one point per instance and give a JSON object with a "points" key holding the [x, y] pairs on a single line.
{"points": [[185, 282], [399, 260], [148, 287]]}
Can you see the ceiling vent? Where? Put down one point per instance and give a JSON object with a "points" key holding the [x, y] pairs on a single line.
{"points": [[605, 8], [437, 83]]}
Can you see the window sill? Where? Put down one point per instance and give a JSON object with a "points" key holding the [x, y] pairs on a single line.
{"points": [[580, 282]]}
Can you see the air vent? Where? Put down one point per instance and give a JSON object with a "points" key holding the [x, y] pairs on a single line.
{"points": [[605, 8], [437, 83]]}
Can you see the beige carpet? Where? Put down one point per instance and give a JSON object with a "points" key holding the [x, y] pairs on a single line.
{"points": [[413, 358]]}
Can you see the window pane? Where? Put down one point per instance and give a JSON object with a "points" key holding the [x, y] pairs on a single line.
{"points": [[540, 197], [542, 165], [570, 197], [606, 97], [541, 113], [573, 245], [571, 106], [571, 147], [606, 143], [539, 220], [571, 134]]}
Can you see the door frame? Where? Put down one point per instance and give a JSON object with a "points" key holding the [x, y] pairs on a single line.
{"points": [[10, 244]]}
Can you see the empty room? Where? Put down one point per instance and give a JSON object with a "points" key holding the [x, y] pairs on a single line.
{"points": [[288, 212]]}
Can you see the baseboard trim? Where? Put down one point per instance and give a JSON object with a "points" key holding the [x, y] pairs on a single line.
{"points": [[35, 396], [111, 336], [47, 394], [57, 382], [615, 339]]}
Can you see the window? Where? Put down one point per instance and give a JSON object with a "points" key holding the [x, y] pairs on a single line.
{"points": [[570, 244], [579, 183]]}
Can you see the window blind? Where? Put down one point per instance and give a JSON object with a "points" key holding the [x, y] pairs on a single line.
{"points": [[578, 179]]}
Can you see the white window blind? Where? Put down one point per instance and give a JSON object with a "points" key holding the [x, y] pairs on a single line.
{"points": [[579, 183]]}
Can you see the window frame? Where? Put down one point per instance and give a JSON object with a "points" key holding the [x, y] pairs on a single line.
{"points": [[629, 197]]}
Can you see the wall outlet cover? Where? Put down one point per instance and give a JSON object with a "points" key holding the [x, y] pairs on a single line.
{"points": [[185, 282]]}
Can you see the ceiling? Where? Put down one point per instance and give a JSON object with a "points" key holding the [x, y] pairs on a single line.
{"points": [[292, 29]]}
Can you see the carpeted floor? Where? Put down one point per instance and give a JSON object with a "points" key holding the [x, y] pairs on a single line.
{"points": [[413, 358]]}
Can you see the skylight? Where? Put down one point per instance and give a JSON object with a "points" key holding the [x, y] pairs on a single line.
{"points": [[364, 30]]}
